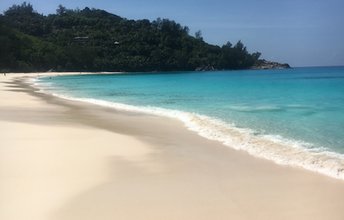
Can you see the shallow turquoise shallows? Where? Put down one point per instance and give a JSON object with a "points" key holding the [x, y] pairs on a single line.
{"points": [[293, 116]]}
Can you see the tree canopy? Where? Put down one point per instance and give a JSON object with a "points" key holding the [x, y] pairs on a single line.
{"points": [[95, 40]]}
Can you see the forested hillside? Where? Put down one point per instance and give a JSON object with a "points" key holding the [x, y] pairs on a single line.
{"points": [[95, 40]]}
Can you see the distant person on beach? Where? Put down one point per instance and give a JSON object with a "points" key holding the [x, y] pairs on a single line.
{"points": [[4, 74]]}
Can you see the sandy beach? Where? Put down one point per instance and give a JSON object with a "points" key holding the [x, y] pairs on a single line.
{"points": [[69, 160]]}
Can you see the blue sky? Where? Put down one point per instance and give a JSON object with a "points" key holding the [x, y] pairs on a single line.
{"points": [[299, 32]]}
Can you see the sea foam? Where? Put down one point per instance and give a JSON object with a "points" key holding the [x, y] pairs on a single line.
{"points": [[271, 147]]}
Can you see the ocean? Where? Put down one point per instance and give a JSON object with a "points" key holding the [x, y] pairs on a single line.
{"points": [[292, 116]]}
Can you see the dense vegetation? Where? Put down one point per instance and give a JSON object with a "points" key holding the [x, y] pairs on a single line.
{"points": [[95, 40]]}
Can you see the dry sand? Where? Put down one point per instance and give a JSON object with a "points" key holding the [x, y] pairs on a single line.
{"points": [[64, 160]]}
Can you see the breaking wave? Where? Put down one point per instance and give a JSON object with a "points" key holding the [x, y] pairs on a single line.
{"points": [[271, 147]]}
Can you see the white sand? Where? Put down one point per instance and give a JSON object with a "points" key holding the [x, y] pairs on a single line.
{"points": [[68, 160]]}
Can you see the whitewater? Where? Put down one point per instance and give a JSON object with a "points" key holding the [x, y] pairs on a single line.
{"points": [[292, 117]]}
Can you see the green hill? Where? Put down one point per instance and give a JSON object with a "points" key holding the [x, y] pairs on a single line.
{"points": [[95, 40]]}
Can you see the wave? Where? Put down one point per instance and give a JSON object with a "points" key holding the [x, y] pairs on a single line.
{"points": [[271, 147], [270, 108], [262, 108]]}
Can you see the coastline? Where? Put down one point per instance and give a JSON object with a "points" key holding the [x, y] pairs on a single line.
{"points": [[273, 147], [50, 166]]}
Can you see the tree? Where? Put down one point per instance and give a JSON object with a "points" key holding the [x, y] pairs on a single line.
{"points": [[24, 8], [186, 29], [24, 18], [256, 55], [228, 45], [61, 10], [198, 35], [95, 40], [239, 46]]}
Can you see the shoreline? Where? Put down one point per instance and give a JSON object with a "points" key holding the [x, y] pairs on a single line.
{"points": [[280, 150], [168, 171]]}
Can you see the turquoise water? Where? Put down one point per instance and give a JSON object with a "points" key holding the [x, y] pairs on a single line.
{"points": [[293, 116]]}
